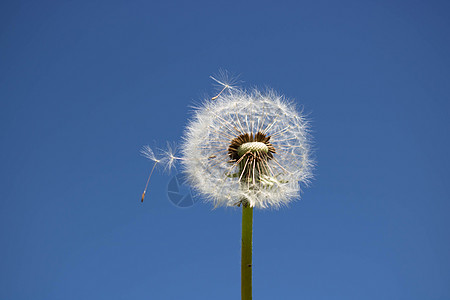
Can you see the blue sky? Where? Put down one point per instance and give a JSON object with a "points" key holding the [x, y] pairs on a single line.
{"points": [[84, 84]]}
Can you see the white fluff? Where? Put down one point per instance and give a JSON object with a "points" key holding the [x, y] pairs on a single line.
{"points": [[217, 122]]}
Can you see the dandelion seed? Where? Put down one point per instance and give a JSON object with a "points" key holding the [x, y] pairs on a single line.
{"points": [[224, 81], [170, 157], [148, 153]]}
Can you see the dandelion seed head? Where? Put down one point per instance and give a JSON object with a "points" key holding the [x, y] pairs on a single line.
{"points": [[247, 147]]}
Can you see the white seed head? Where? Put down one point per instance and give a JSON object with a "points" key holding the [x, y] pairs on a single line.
{"points": [[247, 147]]}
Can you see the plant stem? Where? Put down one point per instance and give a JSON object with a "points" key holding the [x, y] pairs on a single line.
{"points": [[246, 260]]}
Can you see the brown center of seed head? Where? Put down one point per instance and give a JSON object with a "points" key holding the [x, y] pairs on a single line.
{"points": [[263, 151]]}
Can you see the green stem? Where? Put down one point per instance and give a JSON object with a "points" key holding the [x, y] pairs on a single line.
{"points": [[246, 261]]}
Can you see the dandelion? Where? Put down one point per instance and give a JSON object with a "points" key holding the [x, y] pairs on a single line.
{"points": [[244, 148], [248, 148]]}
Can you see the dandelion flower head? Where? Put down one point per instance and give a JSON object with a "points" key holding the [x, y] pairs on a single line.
{"points": [[247, 147]]}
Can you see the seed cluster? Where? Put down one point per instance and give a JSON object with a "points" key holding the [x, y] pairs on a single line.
{"points": [[247, 146], [251, 153], [235, 148]]}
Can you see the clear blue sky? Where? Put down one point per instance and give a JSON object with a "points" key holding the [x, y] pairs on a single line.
{"points": [[84, 84]]}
